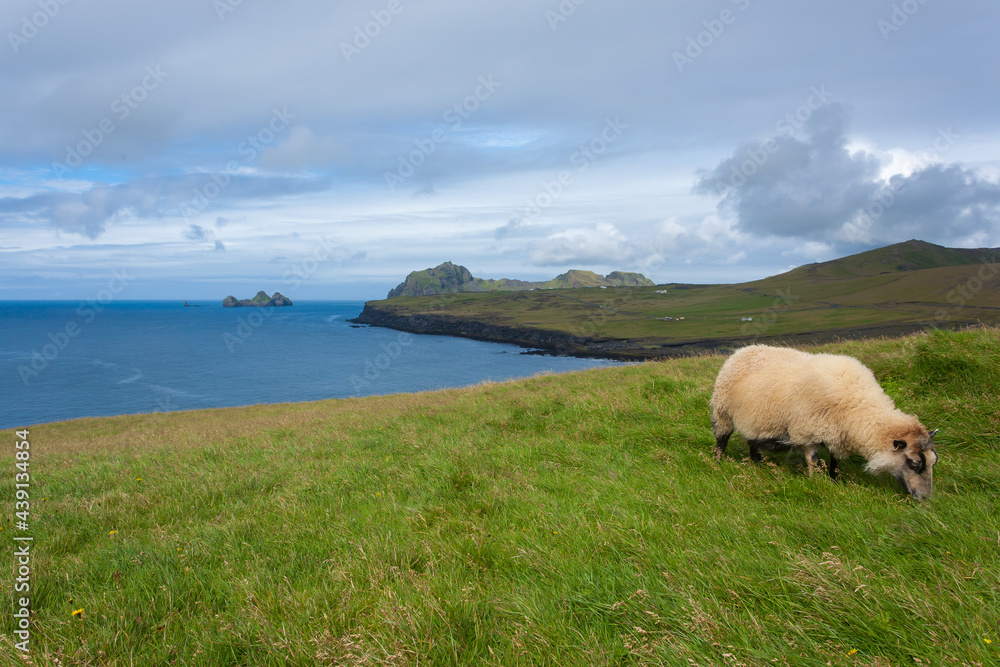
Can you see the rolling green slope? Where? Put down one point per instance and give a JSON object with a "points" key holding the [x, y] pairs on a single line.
{"points": [[908, 256], [574, 519]]}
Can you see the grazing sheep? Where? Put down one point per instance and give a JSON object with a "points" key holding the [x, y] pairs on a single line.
{"points": [[780, 398]]}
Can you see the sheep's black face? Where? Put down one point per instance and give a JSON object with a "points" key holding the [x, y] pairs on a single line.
{"points": [[915, 463]]}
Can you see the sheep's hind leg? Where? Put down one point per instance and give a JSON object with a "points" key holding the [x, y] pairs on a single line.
{"points": [[755, 449], [833, 466], [720, 444]]}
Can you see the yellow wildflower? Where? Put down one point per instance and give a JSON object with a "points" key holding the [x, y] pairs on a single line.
{"points": [[77, 612], [988, 641], [852, 652], [112, 532]]}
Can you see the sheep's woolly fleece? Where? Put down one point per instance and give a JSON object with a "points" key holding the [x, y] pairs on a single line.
{"points": [[785, 395]]}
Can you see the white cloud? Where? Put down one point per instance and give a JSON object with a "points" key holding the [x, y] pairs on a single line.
{"points": [[602, 245], [813, 250]]}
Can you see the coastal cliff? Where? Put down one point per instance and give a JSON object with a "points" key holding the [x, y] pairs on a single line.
{"points": [[562, 343], [541, 341]]}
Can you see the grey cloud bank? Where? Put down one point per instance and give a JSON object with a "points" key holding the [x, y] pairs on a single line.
{"points": [[755, 136], [816, 188]]}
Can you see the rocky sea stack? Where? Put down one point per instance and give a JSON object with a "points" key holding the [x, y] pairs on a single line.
{"points": [[262, 299]]}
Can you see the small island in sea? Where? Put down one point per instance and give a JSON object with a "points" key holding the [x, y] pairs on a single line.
{"points": [[262, 299]]}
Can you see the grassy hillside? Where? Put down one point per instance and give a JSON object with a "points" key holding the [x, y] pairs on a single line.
{"points": [[911, 255], [561, 520], [889, 290]]}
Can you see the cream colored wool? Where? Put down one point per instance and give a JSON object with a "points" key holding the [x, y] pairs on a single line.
{"points": [[786, 396]]}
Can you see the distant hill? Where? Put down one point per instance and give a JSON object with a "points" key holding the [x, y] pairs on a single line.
{"points": [[448, 278], [910, 255]]}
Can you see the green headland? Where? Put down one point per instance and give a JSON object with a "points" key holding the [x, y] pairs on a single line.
{"points": [[893, 290]]}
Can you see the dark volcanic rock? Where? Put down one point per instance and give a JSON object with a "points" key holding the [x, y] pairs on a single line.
{"points": [[279, 300], [261, 300], [550, 342], [445, 278]]}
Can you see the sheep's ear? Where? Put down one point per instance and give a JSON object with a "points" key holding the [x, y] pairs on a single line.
{"points": [[898, 445]]}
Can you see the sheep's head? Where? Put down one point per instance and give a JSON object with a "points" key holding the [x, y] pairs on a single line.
{"points": [[912, 461], [908, 453]]}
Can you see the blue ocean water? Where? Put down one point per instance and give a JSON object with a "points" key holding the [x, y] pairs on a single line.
{"points": [[60, 360]]}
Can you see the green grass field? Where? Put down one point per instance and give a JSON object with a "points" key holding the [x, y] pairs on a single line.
{"points": [[574, 519]]}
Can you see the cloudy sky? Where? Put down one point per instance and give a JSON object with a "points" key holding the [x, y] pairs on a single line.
{"points": [[201, 148]]}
